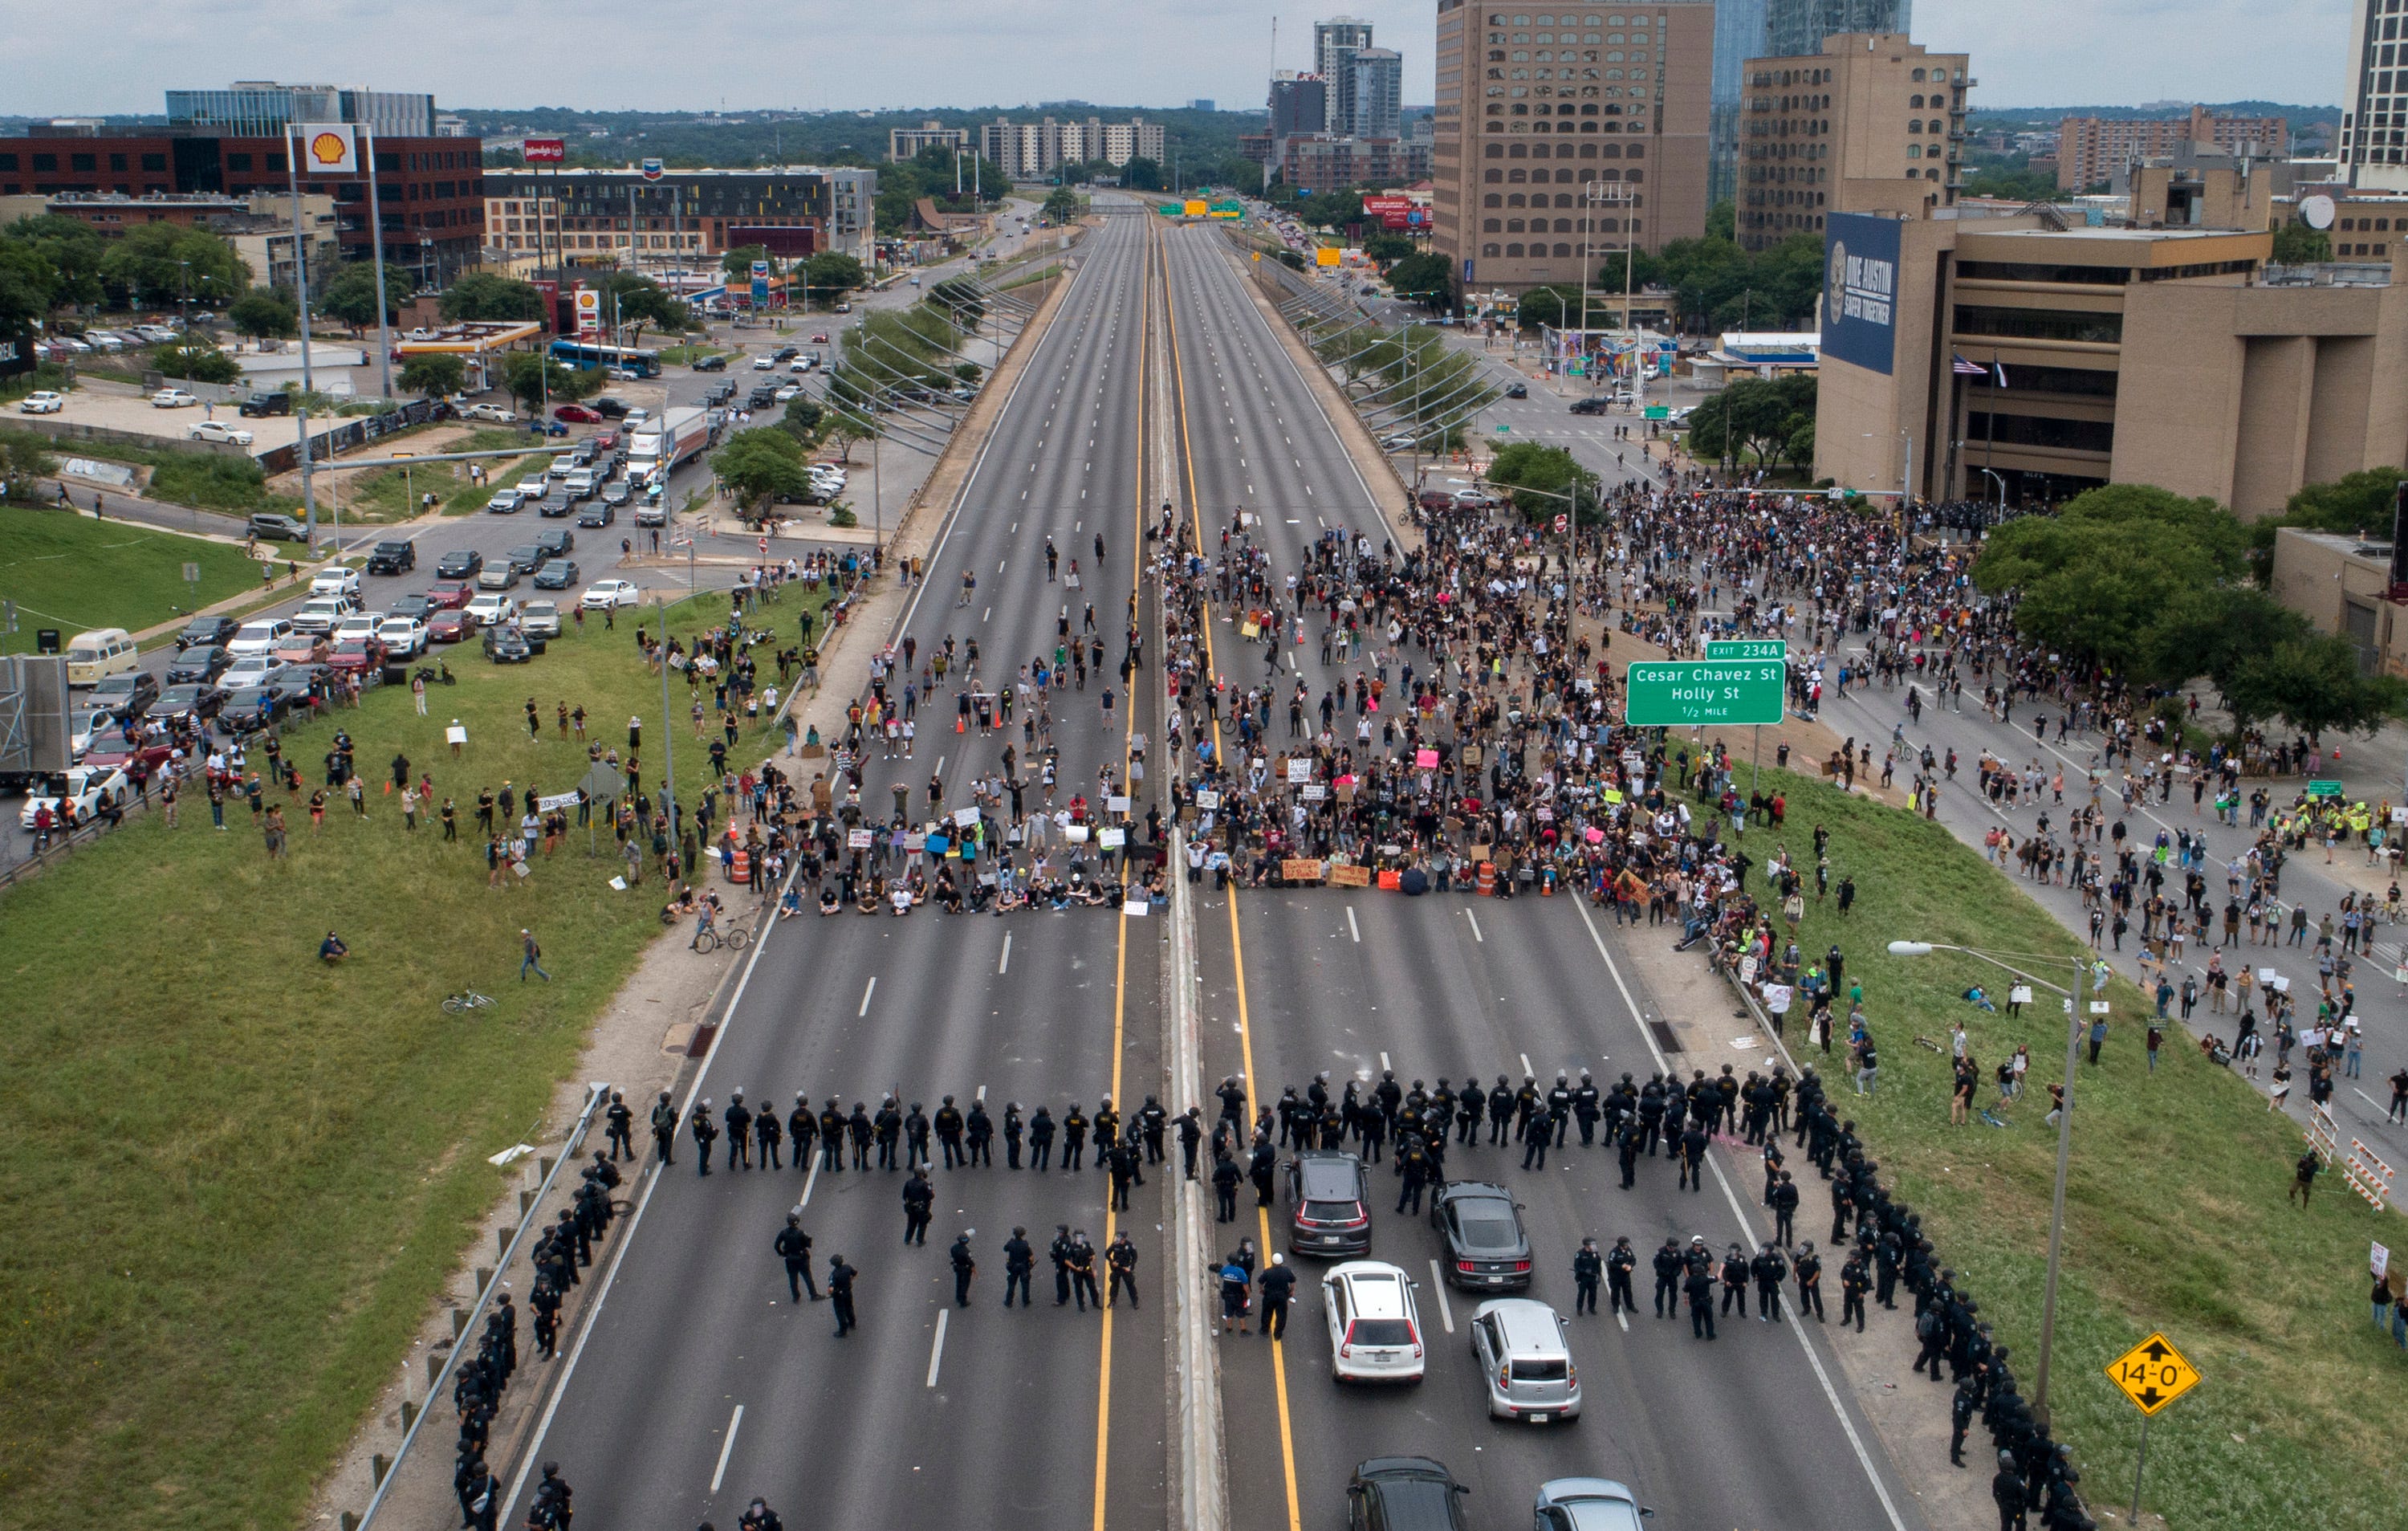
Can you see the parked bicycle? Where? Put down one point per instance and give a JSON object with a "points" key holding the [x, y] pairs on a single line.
{"points": [[466, 1000]]}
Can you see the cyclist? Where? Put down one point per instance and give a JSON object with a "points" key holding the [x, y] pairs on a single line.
{"points": [[706, 917]]}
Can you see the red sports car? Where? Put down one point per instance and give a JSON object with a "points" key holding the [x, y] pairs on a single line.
{"points": [[577, 414]]}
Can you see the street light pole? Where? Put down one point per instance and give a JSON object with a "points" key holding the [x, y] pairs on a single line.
{"points": [[2064, 1141]]}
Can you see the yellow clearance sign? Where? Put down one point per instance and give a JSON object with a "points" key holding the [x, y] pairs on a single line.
{"points": [[2153, 1373], [1326, 256], [1195, 207]]}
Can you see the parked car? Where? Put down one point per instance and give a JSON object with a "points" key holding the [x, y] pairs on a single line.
{"points": [[493, 607], [417, 604], [1375, 1331], [556, 574], [604, 594], [575, 414], [303, 648], [711, 363], [172, 399], [1401, 441], [42, 401], [207, 629], [1486, 1249], [508, 646], [392, 557], [200, 663], [451, 595], [1404, 1494], [1525, 1361], [1587, 1504], [1329, 1204], [127, 692], [252, 708], [540, 619], [189, 702], [488, 412], [609, 408], [320, 614], [500, 576], [270, 526], [262, 404], [357, 624], [449, 626], [217, 431], [357, 653]]}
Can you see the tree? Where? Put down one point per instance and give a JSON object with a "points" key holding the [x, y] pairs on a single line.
{"points": [[193, 359], [162, 265], [2296, 244], [1061, 205], [1142, 174], [265, 313], [802, 418], [68, 248], [25, 455], [1767, 419], [2313, 684], [1384, 249], [969, 372], [1424, 278], [959, 297], [29, 286], [631, 299], [1538, 478], [2357, 503], [830, 275], [2099, 581], [763, 464], [530, 376], [434, 375], [481, 295], [737, 263], [350, 293]]}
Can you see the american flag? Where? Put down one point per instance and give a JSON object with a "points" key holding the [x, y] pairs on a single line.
{"points": [[1969, 369]]}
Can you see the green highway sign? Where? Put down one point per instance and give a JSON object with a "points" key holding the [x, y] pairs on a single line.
{"points": [[2324, 789], [1703, 692], [1657, 411], [1748, 648]]}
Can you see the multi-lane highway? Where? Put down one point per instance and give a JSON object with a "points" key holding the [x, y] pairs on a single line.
{"points": [[1748, 1432], [928, 1414]]}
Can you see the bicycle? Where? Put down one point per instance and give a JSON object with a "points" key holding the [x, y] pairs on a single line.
{"points": [[466, 1000], [734, 938]]}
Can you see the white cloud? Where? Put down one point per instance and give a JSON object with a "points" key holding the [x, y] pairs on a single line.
{"points": [[119, 55]]}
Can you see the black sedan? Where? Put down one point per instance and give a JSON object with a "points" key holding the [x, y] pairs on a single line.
{"points": [[198, 665], [422, 606], [711, 363], [461, 563], [1517, 390], [556, 574], [257, 707], [208, 630], [602, 513], [1404, 1494], [1486, 1249], [192, 702]]}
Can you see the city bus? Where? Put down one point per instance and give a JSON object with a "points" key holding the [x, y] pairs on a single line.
{"points": [[642, 361]]}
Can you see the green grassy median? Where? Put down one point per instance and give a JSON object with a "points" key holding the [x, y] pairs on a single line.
{"points": [[74, 574], [235, 1176], [2175, 1216]]}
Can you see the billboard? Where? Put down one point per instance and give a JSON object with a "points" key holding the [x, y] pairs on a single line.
{"points": [[328, 148], [588, 311], [1860, 290], [544, 151], [1385, 205], [17, 354]]}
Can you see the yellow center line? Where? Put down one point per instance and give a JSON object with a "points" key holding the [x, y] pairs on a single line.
{"points": [[1237, 943], [1120, 968]]}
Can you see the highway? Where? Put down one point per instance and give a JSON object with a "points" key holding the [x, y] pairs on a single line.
{"points": [[1750, 1432], [927, 1414]]}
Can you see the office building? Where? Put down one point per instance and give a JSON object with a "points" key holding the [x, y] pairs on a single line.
{"points": [[905, 143], [1370, 95], [1796, 28], [261, 108], [2374, 101], [1322, 162], [543, 218], [429, 190], [1335, 43], [1606, 108], [1202, 103], [2101, 354], [1033, 150], [1739, 36], [1866, 123], [1298, 104], [2091, 150]]}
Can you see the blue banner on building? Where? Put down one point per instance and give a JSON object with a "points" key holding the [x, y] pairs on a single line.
{"points": [[1860, 290]]}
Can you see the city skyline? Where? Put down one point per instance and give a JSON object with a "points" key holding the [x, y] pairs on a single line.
{"points": [[108, 57]]}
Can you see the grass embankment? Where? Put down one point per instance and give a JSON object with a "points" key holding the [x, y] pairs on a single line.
{"points": [[235, 1176], [213, 481], [75, 574], [385, 495], [686, 355], [2175, 1217]]}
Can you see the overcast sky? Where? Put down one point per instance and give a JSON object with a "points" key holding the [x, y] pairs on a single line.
{"points": [[118, 55]]}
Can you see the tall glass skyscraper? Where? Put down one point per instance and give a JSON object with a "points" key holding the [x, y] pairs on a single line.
{"points": [[259, 109], [1763, 29]]}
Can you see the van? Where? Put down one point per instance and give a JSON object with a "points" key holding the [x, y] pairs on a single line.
{"points": [[103, 651]]}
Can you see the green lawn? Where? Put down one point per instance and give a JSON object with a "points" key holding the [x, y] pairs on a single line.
{"points": [[2175, 1213], [686, 355], [75, 574], [385, 495], [212, 480], [236, 1178]]}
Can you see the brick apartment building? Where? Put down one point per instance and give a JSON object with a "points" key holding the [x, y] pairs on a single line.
{"points": [[2090, 150]]}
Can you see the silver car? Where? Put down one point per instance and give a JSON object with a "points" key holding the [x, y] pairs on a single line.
{"points": [[1525, 1361], [1587, 1504]]}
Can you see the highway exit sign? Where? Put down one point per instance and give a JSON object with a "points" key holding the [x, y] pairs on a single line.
{"points": [[1700, 693], [1748, 648], [2324, 789]]}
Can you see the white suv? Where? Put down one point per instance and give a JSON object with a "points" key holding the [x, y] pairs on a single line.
{"points": [[1375, 1331], [320, 613]]}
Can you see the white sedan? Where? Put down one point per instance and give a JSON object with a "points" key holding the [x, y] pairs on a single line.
{"points": [[602, 595], [42, 401], [488, 412], [172, 399], [90, 787], [216, 430]]}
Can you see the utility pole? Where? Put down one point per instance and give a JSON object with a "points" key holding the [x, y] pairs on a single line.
{"points": [[376, 227], [301, 292]]}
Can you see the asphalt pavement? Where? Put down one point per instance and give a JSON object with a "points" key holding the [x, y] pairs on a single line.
{"points": [[928, 1413], [1749, 1431]]}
